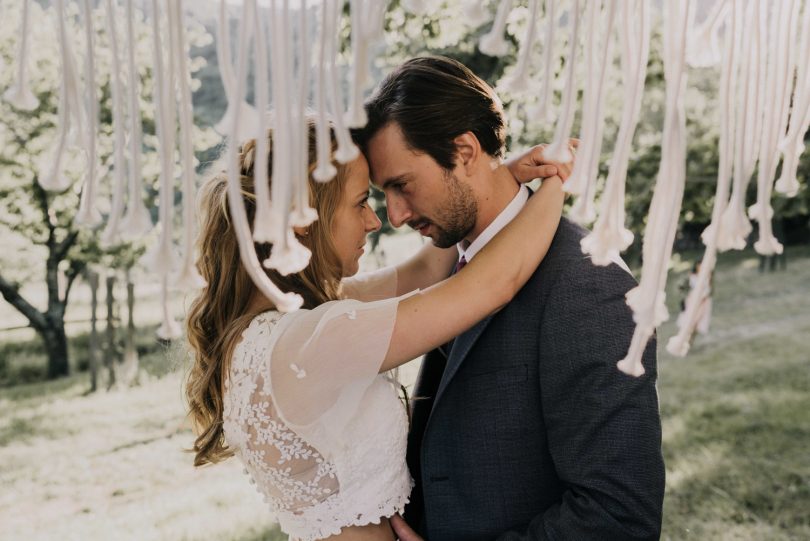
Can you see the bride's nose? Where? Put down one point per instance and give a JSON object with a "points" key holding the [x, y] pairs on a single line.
{"points": [[373, 222]]}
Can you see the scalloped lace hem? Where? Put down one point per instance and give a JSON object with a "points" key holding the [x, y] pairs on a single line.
{"points": [[305, 530]]}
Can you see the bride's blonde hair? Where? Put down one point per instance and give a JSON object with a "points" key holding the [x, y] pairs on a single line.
{"points": [[223, 309]]}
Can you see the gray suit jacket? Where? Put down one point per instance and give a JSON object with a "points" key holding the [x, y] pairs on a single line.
{"points": [[527, 430]]}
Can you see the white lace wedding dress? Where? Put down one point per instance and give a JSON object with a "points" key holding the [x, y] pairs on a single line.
{"points": [[321, 434]]}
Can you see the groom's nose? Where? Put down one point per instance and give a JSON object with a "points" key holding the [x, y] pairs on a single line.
{"points": [[398, 211]]}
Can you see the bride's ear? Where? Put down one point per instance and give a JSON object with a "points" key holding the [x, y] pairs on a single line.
{"points": [[468, 151], [301, 232]]}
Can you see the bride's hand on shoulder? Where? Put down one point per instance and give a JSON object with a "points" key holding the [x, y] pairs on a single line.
{"points": [[532, 164]]}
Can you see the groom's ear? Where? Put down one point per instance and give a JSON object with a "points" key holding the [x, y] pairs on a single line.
{"points": [[468, 152]]}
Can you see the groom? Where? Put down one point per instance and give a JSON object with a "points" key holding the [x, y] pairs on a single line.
{"points": [[522, 427]]}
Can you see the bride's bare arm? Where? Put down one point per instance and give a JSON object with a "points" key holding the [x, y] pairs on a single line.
{"points": [[428, 266], [435, 315]]}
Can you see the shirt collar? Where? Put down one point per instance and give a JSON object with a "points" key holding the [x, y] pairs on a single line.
{"points": [[507, 215]]}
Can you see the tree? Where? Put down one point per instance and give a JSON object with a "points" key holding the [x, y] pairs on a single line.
{"points": [[51, 249]]}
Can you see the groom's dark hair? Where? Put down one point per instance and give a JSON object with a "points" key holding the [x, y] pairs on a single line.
{"points": [[434, 100]]}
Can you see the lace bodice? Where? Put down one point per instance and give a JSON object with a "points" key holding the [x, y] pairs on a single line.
{"points": [[320, 433]]}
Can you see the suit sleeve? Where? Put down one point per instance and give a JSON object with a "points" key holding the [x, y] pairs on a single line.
{"points": [[604, 428]]}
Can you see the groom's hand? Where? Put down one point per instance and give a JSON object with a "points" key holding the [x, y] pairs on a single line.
{"points": [[532, 164], [403, 531]]}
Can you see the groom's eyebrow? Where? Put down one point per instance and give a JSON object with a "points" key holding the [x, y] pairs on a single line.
{"points": [[393, 180]]}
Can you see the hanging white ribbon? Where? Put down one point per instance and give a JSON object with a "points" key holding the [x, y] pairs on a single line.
{"points": [[19, 94], [703, 49], [188, 277], [792, 146], [265, 226], [493, 43], [288, 254], [88, 215], [284, 302], [137, 220], [558, 150], [586, 168], [647, 299], [161, 257], [225, 63], [679, 344], [576, 184], [303, 214], [518, 81], [610, 237], [346, 151], [782, 33], [169, 327], [111, 233], [735, 226], [356, 115], [324, 169], [71, 112], [549, 60]]}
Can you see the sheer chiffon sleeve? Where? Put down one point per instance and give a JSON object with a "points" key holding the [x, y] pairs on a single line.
{"points": [[324, 360], [372, 286]]}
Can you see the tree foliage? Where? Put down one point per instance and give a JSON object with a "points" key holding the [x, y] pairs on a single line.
{"points": [[44, 245]]}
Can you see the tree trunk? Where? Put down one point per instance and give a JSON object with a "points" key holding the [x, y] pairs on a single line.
{"points": [[92, 346], [110, 351], [56, 348]]}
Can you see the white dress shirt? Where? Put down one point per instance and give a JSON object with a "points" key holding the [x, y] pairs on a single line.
{"points": [[507, 215]]}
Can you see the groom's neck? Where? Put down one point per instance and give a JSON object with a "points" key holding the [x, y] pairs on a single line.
{"points": [[493, 196]]}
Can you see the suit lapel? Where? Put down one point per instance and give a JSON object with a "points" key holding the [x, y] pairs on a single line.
{"points": [[461, 348]]}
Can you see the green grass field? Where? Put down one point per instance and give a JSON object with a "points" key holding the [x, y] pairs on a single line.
{"points": [[736, 416]]}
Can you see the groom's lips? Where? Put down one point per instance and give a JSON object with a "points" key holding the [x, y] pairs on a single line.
{"points": [[421, 227]]}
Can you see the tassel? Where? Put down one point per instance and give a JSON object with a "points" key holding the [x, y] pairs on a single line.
{"points": [[679, 344], [610, 237], [494, 43], [735, 227], [225, 62], [284, 302], [19, 94], [780, 78], [648, 299], [576, 183], [288, 255], [356, 115], [111, 234], [549, 60], [188, 277], [265, 221], [704, 41], [169, 328], [346, 151], [52, 175], [324, 170], [586, 168], [137, 220], [793, 144], [161, 257], [558, 150], [518, 82], [88, 215], [303, 214]]}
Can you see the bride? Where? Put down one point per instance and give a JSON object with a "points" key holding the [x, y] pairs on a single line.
{"points": [[302, 398]]}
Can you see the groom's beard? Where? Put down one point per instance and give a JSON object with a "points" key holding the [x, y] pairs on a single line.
{"points": [[457, 213]]}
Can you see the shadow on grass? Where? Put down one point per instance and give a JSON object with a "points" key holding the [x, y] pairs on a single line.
{"points": [[735, 441]]}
